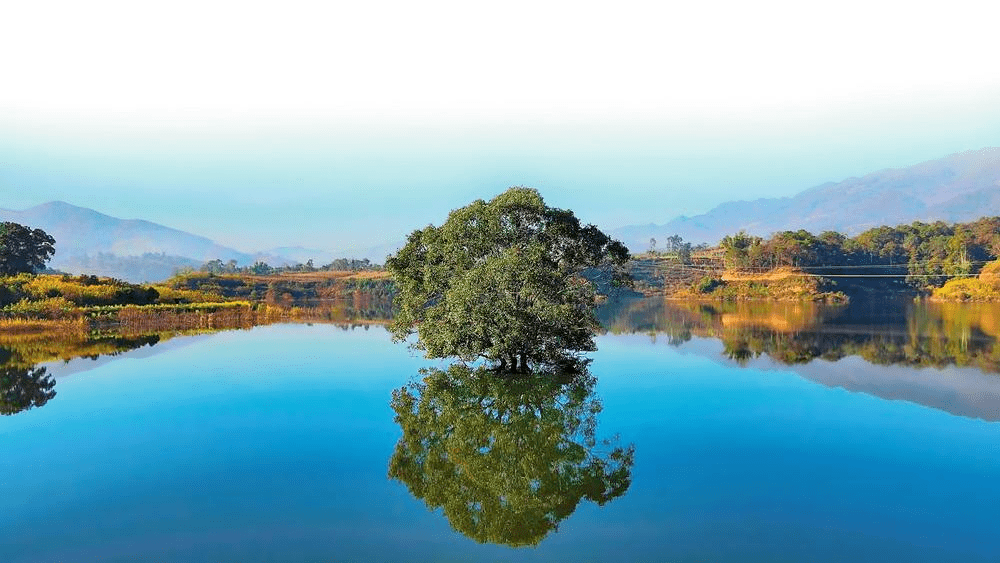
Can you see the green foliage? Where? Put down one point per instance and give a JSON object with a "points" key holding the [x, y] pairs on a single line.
{"points": [[707, 284], [23, 250], [741, 249], [46, 308], [501, 280], [927, 254], [506, 457], [85, 291]]}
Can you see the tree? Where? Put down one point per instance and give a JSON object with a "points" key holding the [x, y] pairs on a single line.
{"points": [[741, 249], [501, 280], [23, 250]]}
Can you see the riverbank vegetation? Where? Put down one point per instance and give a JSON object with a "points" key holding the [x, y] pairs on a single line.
{"points": [[284, 287], [190, 300], [917, 259], [984, 287]]}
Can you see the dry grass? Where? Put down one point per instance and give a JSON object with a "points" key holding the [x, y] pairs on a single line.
{"points": [[777, 274]]}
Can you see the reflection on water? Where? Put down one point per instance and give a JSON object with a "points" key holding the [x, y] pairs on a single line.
{"points": [[272, 445], [902, 333], [23, 348], [24, 388], [505, 457], [891, 337], [24, 385]]}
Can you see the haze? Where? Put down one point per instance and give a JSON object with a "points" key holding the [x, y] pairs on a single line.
{"points": [[339, 126]]}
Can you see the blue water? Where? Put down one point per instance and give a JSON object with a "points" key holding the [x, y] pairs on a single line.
{"points": [[273, 444]]}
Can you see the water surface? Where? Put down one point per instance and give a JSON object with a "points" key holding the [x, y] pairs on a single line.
{"points": [[759, 433]]}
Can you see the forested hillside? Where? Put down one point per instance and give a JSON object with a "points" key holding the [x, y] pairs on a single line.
{"points": [[920, 254]]}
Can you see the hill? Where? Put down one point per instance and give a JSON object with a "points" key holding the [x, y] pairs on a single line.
{"points": [[89, 242], [957, 188]]}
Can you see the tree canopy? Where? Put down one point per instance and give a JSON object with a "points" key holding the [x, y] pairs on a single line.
{"points": [[501, 280], [23, 250]]}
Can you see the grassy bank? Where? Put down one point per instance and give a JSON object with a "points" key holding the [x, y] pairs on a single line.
{"points": [[781, 284], [984, 288], [63, 297]]}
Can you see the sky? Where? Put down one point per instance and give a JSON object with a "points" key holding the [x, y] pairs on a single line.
{"points": [[345, 125]]}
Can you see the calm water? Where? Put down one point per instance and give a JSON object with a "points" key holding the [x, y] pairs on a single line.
{"points": [[742, 433]]}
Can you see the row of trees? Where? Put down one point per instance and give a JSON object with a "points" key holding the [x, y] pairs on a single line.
{"points": [[261, 268], [675, 246], [928, 253]]}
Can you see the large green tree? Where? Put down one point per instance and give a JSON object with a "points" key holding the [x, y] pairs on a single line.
{"points": [[23, 250], [501, 281]]}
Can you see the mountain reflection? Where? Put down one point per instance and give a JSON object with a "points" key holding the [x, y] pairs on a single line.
{"points": [[505, 457]]}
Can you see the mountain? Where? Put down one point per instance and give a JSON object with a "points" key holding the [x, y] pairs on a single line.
{"points": [[290, 255], [956, 188], [377, 254], [130, 249]]}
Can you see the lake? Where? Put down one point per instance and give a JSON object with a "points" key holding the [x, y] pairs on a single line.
{"points": [[701, 433]]}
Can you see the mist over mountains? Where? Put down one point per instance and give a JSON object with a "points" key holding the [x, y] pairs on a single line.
{"points": [[957, 188], [135, 250]]}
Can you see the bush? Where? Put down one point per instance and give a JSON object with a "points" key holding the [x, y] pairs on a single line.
{"points": [[50, 308], [88, 291], [707, 284]]}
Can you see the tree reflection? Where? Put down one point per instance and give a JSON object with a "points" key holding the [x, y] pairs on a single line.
{"points": [[506, 457], [891, 333], [24, 388]]}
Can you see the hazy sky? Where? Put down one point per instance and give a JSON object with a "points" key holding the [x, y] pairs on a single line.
{"points": [[332, 126]]}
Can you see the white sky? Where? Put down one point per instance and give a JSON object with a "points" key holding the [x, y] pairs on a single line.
{"points": [[269, 111], [466, 59]]}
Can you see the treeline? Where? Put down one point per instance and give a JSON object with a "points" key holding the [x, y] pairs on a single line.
{"points": [[260, 268], [924, 254], [286, 291], [674, 246]]}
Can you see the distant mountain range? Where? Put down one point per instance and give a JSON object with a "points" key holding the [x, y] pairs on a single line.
{"points": [[956, 188], [136, 250], [960, 187]]}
